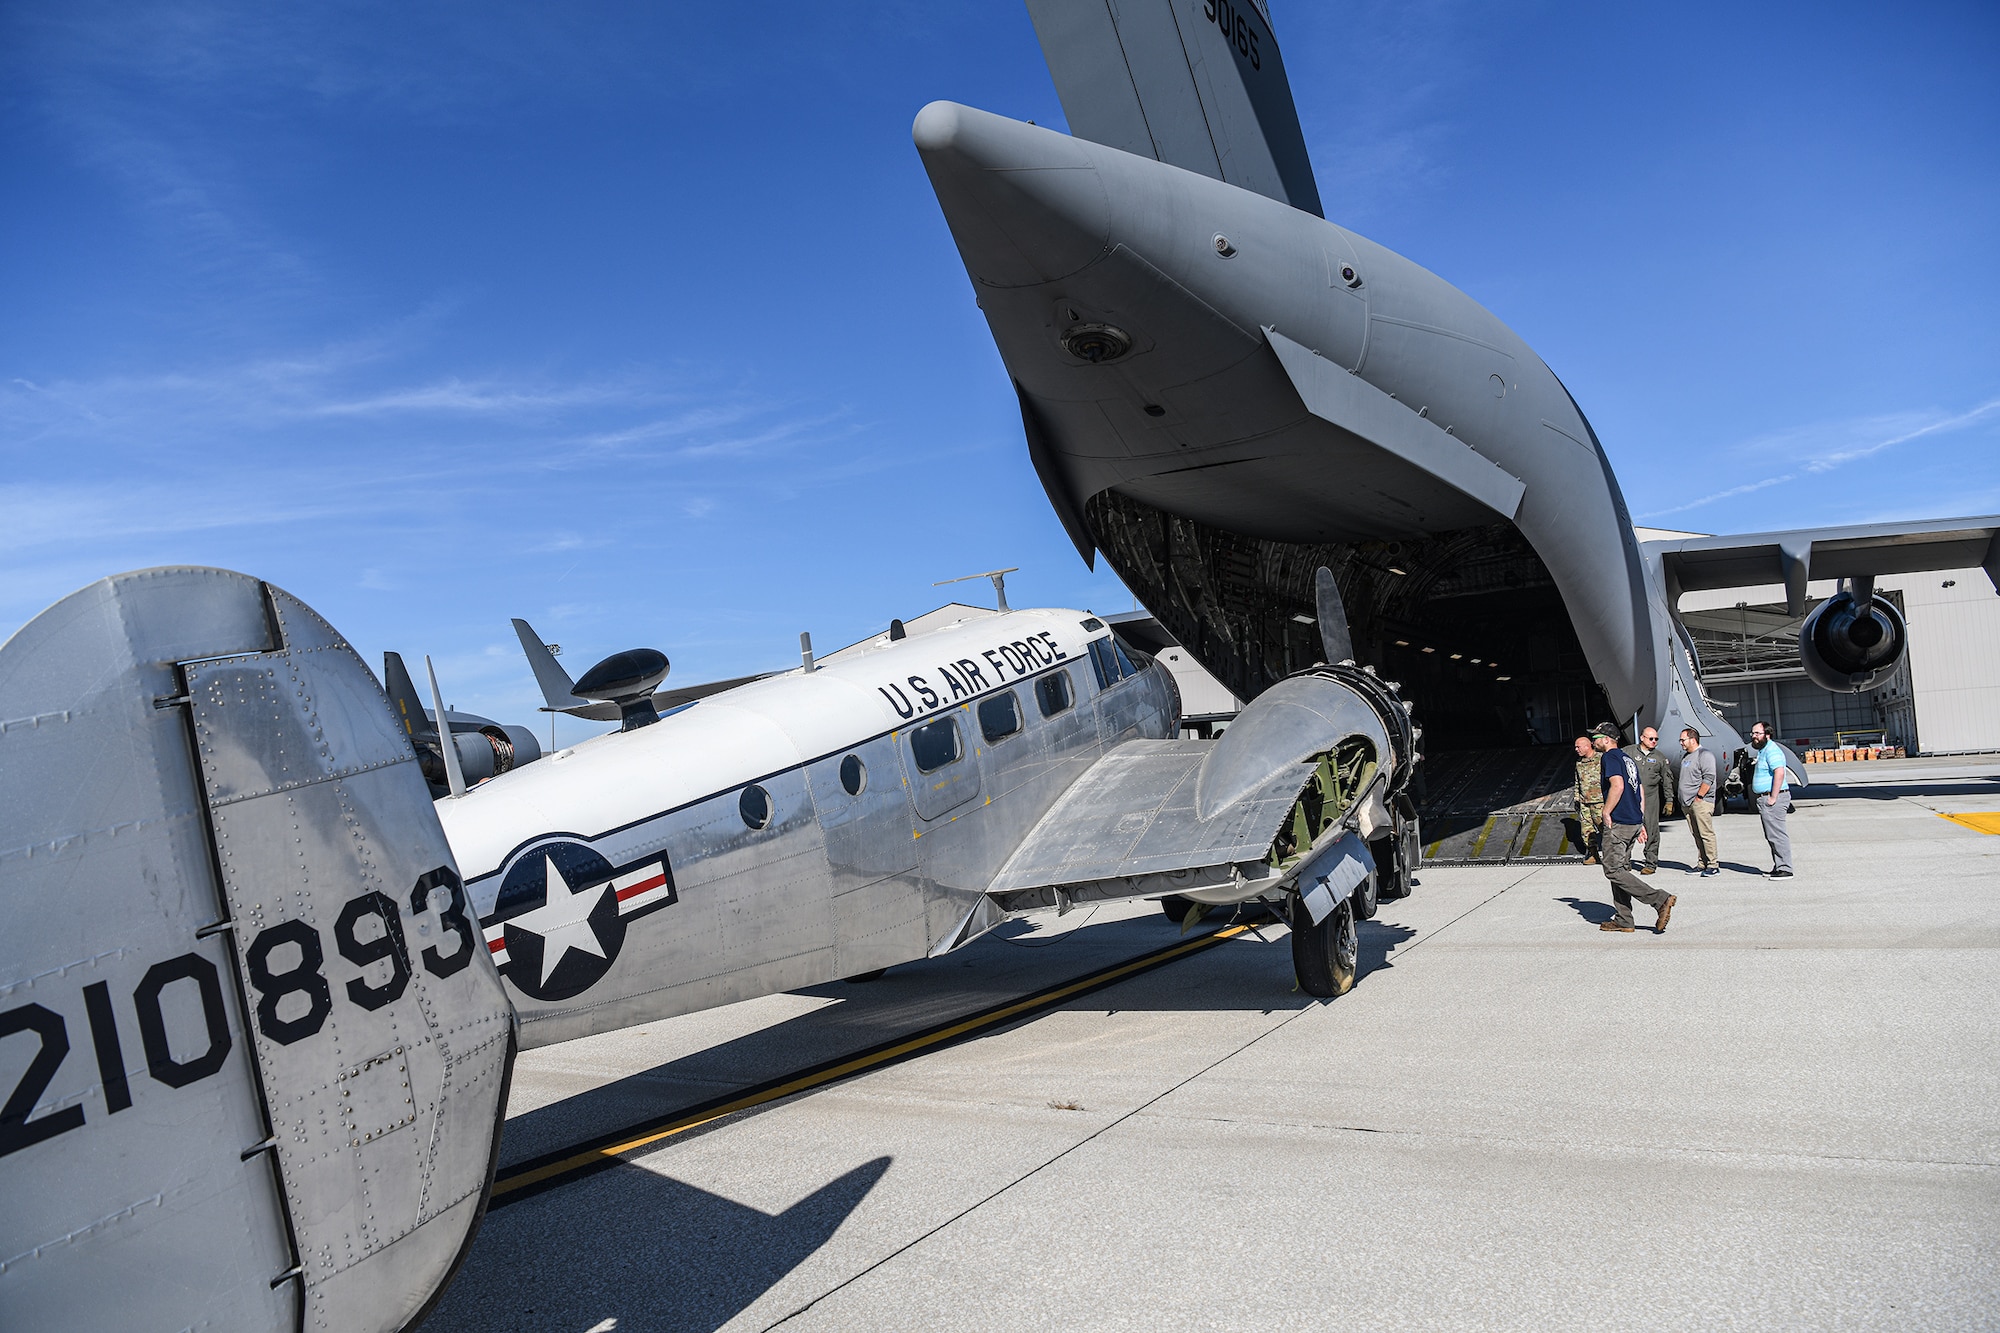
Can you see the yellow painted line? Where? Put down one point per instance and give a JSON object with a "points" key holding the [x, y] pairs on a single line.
{"points": [[1979, 821], [548, 1172], [1534, 831], [1479, 844]]}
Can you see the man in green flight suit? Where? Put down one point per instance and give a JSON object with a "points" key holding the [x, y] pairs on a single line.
{"points": [[1589, 798], [1656, 788]]}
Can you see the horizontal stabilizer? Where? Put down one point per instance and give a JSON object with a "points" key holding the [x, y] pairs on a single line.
{"points": [[556, 685], [1198, 84], [1695, 564], [1336, 395], [663, 701]]}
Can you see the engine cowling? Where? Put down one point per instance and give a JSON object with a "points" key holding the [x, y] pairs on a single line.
{"points": [[1848, 642], [494, 749]]}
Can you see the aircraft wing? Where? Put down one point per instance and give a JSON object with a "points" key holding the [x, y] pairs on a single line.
{"points": [[1133, 814], [1793, 558], [1158, 817], [1195, 83]]}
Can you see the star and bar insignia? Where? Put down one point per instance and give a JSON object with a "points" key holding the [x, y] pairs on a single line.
{"points": [[560, 917]]}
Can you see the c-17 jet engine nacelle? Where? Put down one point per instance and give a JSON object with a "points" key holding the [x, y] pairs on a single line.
{"points": [[1852, 639]]}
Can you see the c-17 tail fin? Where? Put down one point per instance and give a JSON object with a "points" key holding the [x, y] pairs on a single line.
{"points": [[1195, 83]]}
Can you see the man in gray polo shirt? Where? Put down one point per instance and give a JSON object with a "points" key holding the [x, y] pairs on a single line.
{"points": [[1696, 790]]}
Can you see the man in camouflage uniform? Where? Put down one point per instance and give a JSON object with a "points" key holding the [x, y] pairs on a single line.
{"points": [[1589, 798]]}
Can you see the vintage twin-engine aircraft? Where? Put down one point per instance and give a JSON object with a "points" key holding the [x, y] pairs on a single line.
{"points": [[1223, 391], [258, 1006]]}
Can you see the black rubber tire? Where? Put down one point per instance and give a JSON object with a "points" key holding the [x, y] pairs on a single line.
{"points": [[861, 978], [1326, 956], [1176, 907], [1367, 894]]}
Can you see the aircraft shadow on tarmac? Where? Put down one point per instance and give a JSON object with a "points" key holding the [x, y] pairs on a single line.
{"points": [[645, 1249], [1237, 976], [665, 1254]]}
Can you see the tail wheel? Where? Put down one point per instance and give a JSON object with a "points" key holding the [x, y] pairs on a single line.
{"points": [[1326, 956]]}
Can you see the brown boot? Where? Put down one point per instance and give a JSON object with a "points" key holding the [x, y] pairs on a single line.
{"points": [[1590, 860], [1613, 925], [1666, 910]]}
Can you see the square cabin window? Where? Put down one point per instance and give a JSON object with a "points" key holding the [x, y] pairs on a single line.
{"points": [[1104, 660], [1053, 693], [935, 744], [999, 717]]}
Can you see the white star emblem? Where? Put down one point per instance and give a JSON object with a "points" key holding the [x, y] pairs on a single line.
{"points": [[563, 921]]}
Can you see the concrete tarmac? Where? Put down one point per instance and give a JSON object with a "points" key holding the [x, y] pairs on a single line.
{"points": [[1783, 1113]]}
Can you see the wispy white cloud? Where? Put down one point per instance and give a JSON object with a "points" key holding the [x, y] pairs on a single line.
{"points": [[1826, 446]]}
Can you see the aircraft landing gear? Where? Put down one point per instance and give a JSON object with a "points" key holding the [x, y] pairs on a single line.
{"points": [[1367, 896], [1326, 956]]}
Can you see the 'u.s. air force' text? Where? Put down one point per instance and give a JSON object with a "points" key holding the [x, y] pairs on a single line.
{"points": [[968, 676]]}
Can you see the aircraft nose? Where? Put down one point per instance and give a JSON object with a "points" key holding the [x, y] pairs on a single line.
{"points": [[1025, 204]]}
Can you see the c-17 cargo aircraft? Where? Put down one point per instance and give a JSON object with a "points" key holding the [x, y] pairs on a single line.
{"points": [[1223, 391], [260, 997]]}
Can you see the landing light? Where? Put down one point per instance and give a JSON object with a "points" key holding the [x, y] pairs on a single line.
{"points": [[1097, 342]]}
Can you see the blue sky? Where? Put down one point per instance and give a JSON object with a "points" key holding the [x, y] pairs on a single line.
{"points": [[642, 322]]}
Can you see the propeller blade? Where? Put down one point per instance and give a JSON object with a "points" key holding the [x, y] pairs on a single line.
{"points": [[1333, 633], [447, 742]]}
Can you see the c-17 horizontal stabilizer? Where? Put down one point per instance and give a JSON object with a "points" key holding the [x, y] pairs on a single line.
{"points": [[1194, 83], [260, 1052]]}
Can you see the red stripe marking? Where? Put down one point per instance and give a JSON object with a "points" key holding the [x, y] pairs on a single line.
{"points": [[496, 945], [643, 886]]}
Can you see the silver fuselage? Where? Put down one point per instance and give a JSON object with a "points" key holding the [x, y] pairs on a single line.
{"points": [[836, 882]]}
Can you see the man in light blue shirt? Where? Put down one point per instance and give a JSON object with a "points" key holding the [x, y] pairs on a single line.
{"points": [[1770, 791]]}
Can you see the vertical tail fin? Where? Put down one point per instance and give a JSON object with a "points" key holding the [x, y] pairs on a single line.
{"points": [[555, 682], [1195, 83], [403, 698]]}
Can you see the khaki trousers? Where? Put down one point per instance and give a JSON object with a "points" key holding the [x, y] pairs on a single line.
{"points": [[1625, 884], [1701, 823]]}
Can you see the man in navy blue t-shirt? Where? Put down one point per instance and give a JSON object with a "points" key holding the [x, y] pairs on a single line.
{"points": [[1625, 828]]}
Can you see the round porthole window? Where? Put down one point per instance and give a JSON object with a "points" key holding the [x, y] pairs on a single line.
{"points": [[755, 806], [853, 775]]}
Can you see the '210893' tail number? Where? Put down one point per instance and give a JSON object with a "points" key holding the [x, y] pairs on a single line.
{"points": [[289, 992]]}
